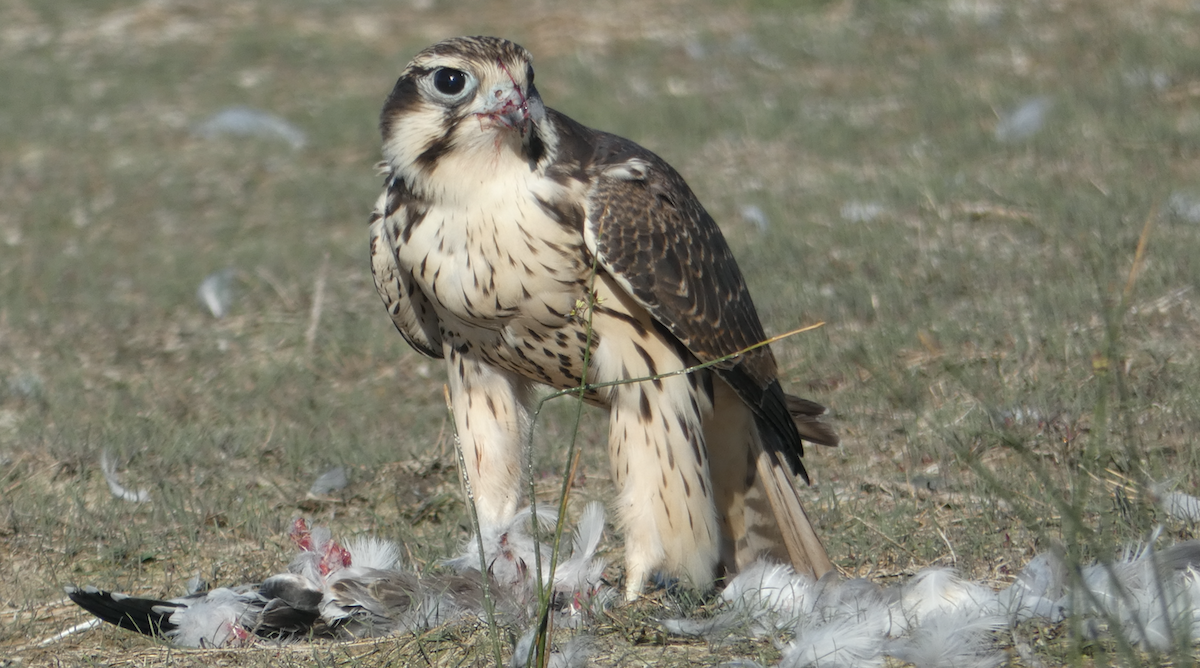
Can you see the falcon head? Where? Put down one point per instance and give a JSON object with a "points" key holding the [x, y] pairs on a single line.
{"points": [[466, 96]]}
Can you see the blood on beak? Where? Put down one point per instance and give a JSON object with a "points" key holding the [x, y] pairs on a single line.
{"points": [[508, 107]]}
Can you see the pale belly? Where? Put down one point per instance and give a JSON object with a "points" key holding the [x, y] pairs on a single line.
{"points": [[515, 295], [553, 357]]}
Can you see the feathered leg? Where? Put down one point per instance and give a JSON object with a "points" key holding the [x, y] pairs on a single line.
{"points": [[492, 420], [658, 457]]}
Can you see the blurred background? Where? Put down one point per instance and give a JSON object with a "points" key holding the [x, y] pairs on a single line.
{"points": [[994, 207]]}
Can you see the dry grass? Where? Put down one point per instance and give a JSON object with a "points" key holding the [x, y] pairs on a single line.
{"points": [[987, 354]]}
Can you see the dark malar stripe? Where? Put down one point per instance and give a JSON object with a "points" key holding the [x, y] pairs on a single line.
{"points": [[428, 158], [535, 148]]}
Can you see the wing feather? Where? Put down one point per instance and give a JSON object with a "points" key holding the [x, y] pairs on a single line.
{"points": [[650, 232], [410, 309]]}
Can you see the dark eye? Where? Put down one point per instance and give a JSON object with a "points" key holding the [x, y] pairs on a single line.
{"points": [[449, 81]]}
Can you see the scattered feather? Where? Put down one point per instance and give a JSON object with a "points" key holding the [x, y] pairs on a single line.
{"points": [[754, 215], [1025, 121], [246, 122], [1018, 415], [764, 598], [83, 626], [947, 640], [1184, 206], [849, 625], [374, 553], [940, 591], [220, 618], [772, 587], [845, 640], [936, 619], [511, 555], [773, 596], [216, 620], [1044, 575], [1036, 592], [1022, 606], [861, 212], [949, 622], [695, 49], [333, 480], [1146, 596], [196, 584], [572, 654], [216, 292], [109, 468], [26, 386], [1183, 507], [1143, 78], [579, 580], [712, 628], [361, 590], [1180, 557]]}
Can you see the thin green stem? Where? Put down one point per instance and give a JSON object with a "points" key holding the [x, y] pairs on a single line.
{"points": [[489, 606], [546, 587]]}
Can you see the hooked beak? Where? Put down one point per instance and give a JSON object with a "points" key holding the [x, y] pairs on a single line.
{"points": [[506, 107], [510, 108]]}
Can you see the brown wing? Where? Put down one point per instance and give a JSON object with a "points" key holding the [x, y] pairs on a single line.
{"points": [[648, 230], [410, 309]]}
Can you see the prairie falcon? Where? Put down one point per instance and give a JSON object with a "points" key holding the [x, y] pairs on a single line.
{"points": [[525, 248]]}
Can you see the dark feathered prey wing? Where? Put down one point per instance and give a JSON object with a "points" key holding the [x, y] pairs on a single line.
{"points": [[648, 230], [264, 614], [148, 616]]}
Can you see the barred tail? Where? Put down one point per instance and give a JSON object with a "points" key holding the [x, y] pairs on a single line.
{"points": [[804, 548]]}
